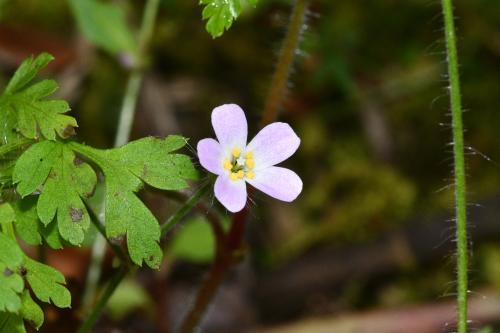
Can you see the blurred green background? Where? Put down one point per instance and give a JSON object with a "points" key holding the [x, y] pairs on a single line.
{"points": [[370, 233]]}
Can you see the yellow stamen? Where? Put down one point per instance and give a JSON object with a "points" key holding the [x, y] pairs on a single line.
{"points": [[250, 163], [250, 175], [249, 155], [233, 176], [236, 152], [227, 165], [240, 174]]}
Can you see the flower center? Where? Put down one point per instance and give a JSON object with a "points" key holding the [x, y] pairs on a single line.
{"points": [[240, 165]]}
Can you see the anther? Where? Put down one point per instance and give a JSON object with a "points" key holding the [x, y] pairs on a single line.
{"points": [[233, 176], [227, 165], [249, 155], [240, 174], [250, 175], [236, 152], [250, 163]]}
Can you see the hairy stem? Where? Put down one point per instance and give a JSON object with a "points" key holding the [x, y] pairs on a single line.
{"points": [[288, 51], [229, 245], [228, 253], [458, 152], [127, 113]]}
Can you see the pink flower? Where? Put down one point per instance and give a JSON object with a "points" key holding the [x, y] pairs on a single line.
{"points": [[237, 163]]}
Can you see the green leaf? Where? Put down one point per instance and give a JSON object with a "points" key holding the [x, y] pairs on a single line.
{"points": [[221, 14], [194, 241], [11, 286], [24, 108], [27, 71], [27, 223], [65, 179], [148, 160], [11, 323], [7, 214], [104, 24], [10, 253], [31, 311], [30, 228], [11, 283], [47, 284]]}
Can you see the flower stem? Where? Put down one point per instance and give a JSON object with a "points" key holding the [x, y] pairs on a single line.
{"points": [[458, 152], [288, 51], [227, 254], [184, 209], [229, 245], [127, 113]]}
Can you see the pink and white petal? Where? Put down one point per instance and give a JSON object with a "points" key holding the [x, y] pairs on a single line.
{"points": [[230, 126], [273, 144], [232, 194], [280, 183], [210, 155]]}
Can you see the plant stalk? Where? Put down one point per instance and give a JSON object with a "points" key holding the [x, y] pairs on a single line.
{"points": [[184, 209], [458, 152], [278, 87], [230, 245], [134, 83]]}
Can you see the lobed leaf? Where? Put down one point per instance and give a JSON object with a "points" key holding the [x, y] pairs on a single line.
{"points": [[31, 311], [24, 109], [30, 228], [27, 71], [11, 283], [11, 286], [11, 254], [66, 180], [47, 283], [221, 14], [149, 160], [7, 214]]}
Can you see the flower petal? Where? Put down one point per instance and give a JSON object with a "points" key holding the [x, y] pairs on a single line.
{"points": [[232, 194], [273, 144], [210, 155], [230, 126], [280, 183]]}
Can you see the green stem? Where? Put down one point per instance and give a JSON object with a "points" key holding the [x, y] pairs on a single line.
{"points": [[285, 61], [184, 209], [134, 83], [458, 151], [114, 282]]}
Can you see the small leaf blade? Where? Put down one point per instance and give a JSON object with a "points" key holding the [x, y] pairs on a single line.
{"points": [[47, 283]]}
